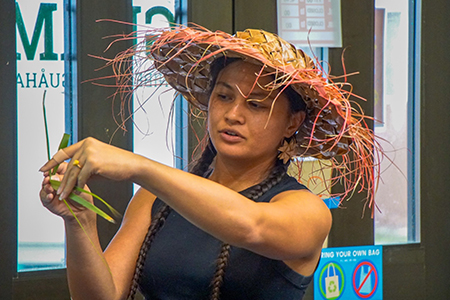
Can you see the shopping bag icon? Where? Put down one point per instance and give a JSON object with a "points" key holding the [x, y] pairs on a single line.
{"points": [[331, 283], [365, 281]]}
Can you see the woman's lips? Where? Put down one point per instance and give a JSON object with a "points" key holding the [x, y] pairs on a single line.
{"points": [[231, 136]]}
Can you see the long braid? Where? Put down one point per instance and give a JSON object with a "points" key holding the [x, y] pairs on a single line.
{"points": [[219, 275], [200, 169], [277, 173], [156, 224], [203, 163], [274, 177]]}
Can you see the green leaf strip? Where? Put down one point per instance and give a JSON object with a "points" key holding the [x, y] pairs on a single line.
{"points": [[87, 235], [45, 125], [63, 144], [111, 209], [55, 185]]}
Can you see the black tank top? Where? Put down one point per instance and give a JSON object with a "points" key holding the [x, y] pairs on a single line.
{"points": [[182, 259]]}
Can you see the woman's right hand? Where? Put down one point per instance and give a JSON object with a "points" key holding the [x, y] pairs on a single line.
{"points": [[51, 201]]}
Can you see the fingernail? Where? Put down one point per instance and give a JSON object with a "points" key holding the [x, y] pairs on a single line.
{"points": [[62, 196], [59, 190], [43, 167]]}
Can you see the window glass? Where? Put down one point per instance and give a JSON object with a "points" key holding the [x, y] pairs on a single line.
{"points": [[312, 26], [40, 67], [154, 129], [394, 220]]}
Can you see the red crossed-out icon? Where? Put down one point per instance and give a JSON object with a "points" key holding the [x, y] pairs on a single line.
{"points": [[371, 272]]}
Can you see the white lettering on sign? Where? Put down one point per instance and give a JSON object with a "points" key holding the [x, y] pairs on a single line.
{"points": [[349, 253], [374, 252], [359, 253], [327, 254], [343, 253]]}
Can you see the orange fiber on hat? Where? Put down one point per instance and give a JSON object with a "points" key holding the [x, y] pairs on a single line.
{"points": [[335, 129]]}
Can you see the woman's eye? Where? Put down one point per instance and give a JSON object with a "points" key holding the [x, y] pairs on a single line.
{"points": [[222, 97], [255, 104]]}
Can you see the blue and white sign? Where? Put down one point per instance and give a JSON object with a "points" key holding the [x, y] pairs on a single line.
{"points": [[350, 273]]}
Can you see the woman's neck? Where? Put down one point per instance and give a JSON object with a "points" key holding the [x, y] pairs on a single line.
{"points": [[237, 175]]}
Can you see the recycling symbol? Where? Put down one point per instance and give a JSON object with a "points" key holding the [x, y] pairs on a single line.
{"points": [[331, 281], [332, 287]]}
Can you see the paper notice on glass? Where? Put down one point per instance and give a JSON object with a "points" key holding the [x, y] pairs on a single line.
{"points": [[315, 23]]}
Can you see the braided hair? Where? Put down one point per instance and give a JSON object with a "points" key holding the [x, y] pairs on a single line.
{"points": [[200, 169], [253, 193]]}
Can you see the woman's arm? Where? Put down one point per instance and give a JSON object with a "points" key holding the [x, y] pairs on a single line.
{"points": [[123, 251], [87, 268], [292, 226], [92, 274]]}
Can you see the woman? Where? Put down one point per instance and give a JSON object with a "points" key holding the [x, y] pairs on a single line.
{"points": [[237, 227]]}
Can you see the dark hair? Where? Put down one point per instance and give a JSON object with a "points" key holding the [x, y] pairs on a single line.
{"points": [[201, 168]]}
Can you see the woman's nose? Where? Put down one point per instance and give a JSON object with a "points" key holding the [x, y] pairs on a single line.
{"points": [[235, 112]]}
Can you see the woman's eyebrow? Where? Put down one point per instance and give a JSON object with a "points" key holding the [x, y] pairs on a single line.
{"points": [[257, 94], [261, 95], [224, 84]]}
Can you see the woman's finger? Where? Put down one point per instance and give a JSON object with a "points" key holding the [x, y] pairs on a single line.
{"points": [[48, 188], [84, 174], [62, 168], [71, 177], [46, 192], [65, 153], [46, 185]]}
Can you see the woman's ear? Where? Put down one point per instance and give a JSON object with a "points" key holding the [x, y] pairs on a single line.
{"points": [[296, 120]]}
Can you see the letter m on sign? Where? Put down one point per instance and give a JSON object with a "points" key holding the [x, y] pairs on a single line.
{"points": [[45, 16]]}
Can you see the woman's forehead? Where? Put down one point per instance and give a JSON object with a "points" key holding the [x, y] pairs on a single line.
{"points": [[246, 75], [243, 66]]}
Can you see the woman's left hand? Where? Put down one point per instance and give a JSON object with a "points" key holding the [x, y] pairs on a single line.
{"points": [[94, 158]]}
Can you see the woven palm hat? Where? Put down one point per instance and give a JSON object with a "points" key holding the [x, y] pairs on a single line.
{"points": [[335, 129], [184, 56]]}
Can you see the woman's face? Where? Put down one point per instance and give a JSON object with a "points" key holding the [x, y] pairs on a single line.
{"points": [[238, 121]]}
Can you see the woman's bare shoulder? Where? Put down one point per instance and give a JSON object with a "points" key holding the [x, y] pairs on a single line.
{"points": [[140, 207]]}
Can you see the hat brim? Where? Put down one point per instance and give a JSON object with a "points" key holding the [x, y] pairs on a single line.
{"points": [[333, 127], [185, 55]]}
